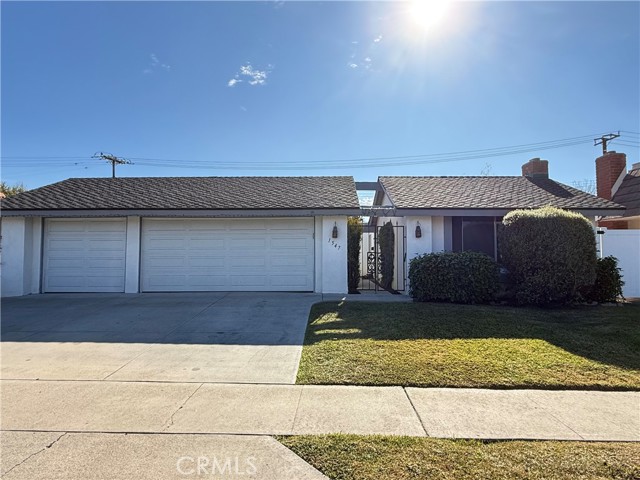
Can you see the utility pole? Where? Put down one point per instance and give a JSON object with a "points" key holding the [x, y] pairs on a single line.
{"points": [[604, 139], [113, 160]]}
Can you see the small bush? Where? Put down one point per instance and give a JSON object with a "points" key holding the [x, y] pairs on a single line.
{"points": [[354, 237], [550, 255], [608, 284], [386, 240], [457, 277]]}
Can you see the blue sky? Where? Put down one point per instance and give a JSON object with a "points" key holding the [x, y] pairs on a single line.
{"points": [[283, 88]]}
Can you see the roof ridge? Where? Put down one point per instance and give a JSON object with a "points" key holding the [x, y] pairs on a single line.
{"points": [[207, 176], [451, 176]]}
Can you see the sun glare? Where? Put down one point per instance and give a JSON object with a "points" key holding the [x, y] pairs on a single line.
{"points": [[428, 14]]}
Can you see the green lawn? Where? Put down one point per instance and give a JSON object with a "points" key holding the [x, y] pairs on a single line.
{"points": [[343, 457], [442, 345]]}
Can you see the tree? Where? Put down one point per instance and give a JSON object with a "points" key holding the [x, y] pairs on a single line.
{"points": [[386, 240], [354, 237], [586, 185], [7, 190]]}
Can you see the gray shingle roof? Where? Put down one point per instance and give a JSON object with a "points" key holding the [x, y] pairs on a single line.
{"points": [[628, 193], [218, 193], [487, 192]]}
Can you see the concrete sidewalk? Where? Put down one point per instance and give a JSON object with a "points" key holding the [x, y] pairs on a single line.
{"points": [[155, 407], [116, 456]]}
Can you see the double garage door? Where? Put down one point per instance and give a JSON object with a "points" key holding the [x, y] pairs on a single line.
{"points": [[181, 255]]}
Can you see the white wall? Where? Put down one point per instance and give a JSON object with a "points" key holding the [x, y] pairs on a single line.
{"points": [[20, 255], [625, 246], [424, 244], [438, 243], [132, 256], [331, 255], [433, 233]]}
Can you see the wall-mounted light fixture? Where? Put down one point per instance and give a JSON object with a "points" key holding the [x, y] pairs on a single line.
{"points": [[334, 233], [418, 231]]}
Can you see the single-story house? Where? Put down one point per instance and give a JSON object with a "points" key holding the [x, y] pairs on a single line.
{"points": [[462, 213], [251, 233], [178, 234]]}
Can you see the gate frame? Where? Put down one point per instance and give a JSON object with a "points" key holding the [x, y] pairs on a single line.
{"points": [[371, 259]]}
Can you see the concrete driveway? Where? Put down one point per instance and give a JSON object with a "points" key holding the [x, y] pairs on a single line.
{"points": [[169, 337]]}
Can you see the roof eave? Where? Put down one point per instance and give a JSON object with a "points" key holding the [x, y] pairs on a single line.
{"points": [[496, 212]]}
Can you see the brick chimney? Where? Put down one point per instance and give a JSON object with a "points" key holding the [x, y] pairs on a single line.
{"points": [[609, 167], [536, 168]]}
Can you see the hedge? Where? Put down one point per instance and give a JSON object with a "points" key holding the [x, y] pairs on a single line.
{"points": [[456, 277], [608, 284], [549, 253]]}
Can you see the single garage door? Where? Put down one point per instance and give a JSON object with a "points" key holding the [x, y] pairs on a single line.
{"points": [[227, 255], [82, 255]]}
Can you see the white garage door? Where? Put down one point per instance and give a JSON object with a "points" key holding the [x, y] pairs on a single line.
{"points": [[227, 255], [83, 255]]}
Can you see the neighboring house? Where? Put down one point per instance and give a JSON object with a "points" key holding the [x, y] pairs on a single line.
{"points": [[178, 234], [622, 232], [616, 184], [463, 213]]}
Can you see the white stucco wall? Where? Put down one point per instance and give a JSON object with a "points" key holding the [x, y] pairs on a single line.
{"points": [[132, 256], [331, 255], [20, 255], [36, 254], [437, 234], [433, 239], [424, 244]]}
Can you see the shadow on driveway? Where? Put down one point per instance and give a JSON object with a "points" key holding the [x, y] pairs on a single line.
{"points": [[179, 318]]}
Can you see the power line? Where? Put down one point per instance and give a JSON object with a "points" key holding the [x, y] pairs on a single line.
{"points": [[497, 150], [39, 157], [559, 142], [343, 165], [367, 162]]}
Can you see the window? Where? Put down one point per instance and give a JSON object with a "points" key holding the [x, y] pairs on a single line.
{"points": [[475, 234]]}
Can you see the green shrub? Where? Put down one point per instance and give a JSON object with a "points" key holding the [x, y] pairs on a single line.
{"points": [[608, 284], [386, 240], [354, 237], [457, 277], [550, 255]]}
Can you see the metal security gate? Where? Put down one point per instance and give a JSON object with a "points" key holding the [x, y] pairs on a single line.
{"points": [[371, 260]]}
